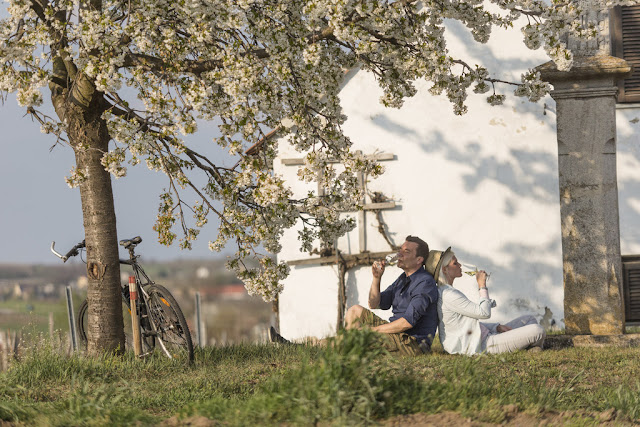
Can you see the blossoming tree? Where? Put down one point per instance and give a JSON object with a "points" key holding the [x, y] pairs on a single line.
{"points": [[128, 80]]}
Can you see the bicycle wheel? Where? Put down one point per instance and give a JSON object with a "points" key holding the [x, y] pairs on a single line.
{"points": [[148, 340], [82, 321], [169, 323]]}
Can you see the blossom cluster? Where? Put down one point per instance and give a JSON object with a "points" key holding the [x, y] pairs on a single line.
{"points": [[158, 66]]}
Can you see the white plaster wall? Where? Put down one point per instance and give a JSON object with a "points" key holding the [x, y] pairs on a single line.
{"points": [[308, 305], [485, 183], [628, 167]]}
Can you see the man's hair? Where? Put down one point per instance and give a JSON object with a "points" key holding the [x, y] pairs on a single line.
{"points": [[423, 248]]}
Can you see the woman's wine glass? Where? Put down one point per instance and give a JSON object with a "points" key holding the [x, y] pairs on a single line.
{"points": [[471, 270]]}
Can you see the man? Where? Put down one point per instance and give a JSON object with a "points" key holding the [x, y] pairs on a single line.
{"points": [[412, 297]]}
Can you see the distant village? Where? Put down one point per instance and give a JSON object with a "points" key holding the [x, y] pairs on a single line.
{"points": [[228, 313]]}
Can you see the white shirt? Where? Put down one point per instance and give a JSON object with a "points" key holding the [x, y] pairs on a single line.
{"points": [[459, 329]]}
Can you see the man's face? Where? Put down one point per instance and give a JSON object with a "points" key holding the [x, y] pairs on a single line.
{"points": [[407, 256]]}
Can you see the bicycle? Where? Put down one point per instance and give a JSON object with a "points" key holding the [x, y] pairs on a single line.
{"points": [[160, 315]]}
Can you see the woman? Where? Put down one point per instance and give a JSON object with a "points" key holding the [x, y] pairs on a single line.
{"points": [[460, 330]]}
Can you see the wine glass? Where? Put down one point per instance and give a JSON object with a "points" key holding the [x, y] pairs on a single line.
{"points": [[471, 270], [391, 259]]}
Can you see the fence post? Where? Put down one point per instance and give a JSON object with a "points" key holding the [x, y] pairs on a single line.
{"points": [[135, 320], [72, 323], [4, 350], [199, 321], [51, 325]]}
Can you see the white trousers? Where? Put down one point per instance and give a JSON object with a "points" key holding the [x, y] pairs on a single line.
{"points": [[525, 333]]}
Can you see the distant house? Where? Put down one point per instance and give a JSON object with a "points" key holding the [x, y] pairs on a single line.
{"points": [[234, 292], [83, 282], [485, 183], [17, 291], [202, 273]]}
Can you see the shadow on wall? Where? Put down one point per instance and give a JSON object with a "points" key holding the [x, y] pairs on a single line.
{"points": [[628, 121], [518, 172], [486, 52], [352, 292], [541, 276], [531, 173]]}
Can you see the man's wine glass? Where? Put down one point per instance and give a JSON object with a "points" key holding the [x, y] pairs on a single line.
{"points": [[391, 259]]}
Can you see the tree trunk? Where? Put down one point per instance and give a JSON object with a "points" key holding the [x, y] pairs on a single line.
{"points": [[89, 138], [79, 107]]}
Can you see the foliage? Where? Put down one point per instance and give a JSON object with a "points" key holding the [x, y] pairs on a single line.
{"points": [[154, 67]]}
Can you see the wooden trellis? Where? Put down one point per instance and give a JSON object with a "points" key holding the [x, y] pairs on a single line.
{"points": [[345, 262]]}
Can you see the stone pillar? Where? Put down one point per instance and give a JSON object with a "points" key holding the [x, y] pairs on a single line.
{"points": [[586, 128]]}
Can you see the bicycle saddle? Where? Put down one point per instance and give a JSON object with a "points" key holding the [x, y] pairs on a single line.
{"points": [[127, 243]]}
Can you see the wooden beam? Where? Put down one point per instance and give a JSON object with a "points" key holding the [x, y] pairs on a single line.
{"points": [[342, 296], [379, 206], [377, 157], [370, 207], [362, 229], [364, 258]]}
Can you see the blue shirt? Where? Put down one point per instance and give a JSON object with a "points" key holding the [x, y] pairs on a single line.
{"points": [[416, 301]]}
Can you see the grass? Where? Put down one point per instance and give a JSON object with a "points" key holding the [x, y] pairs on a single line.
{"points": [[351, 383], [15, 313]]}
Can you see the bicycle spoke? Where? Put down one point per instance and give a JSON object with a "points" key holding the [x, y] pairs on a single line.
{"points": [[170, 326]]}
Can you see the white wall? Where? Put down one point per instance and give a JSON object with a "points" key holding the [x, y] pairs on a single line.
{"points": [[628, 166], [485, 183]]}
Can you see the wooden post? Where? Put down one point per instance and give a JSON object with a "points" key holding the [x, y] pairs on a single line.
{"points": [[199, 328], [4, 349], [72, 324], [342, 293], [362, 226], [275, 312], [135, 320]]}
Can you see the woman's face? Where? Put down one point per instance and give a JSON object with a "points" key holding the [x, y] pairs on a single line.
{"points": [[453, 269]]}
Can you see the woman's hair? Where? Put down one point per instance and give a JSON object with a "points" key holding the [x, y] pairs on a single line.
{"points": [[446, 259]]}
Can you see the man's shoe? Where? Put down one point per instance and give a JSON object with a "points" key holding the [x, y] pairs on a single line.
{"points": [[276, 337]]}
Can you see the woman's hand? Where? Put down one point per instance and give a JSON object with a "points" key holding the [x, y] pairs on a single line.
{"points": [[377, 269], [502, 328], [481, 277]]}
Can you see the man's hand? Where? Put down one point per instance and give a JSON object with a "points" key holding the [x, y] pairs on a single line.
{"points": [[377, 269], [374, 293], [502, 328]]}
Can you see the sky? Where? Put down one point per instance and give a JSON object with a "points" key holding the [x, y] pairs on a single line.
{"points": [[37, 207]]}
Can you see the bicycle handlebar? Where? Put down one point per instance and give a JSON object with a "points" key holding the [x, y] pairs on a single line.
{"points": [[72, 252]]}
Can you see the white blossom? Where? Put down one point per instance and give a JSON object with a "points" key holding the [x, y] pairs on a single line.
{"points": [[250, 66]]}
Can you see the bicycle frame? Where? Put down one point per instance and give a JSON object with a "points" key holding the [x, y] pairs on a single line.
{"points": [[139, 274]]}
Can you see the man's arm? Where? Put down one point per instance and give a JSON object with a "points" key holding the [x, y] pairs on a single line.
{"points": [[395, 327], [377, 269]]}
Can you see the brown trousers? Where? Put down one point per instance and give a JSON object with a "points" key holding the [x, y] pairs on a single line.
{"points": [[402, 343]]}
